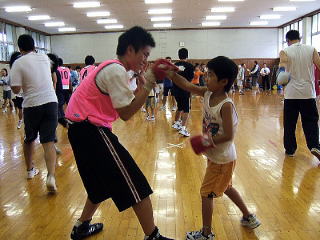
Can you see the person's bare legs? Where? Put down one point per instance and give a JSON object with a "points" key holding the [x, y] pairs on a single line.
{"points": [[235, 197], [178, 115], [207, 211], [28, 150], [184, 118], [88, 210], [50, 156], [144, 213]]}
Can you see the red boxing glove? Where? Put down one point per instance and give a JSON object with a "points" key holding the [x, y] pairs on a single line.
{"points": [[160, 68], [201, 143]]}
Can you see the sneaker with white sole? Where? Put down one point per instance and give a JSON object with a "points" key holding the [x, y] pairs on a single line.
{"points": [[51, 184], [4, 110], [316, 152], [85, 229], [176, 125], [33, 172], [197, 235], [251, 221], [183, 131], [155, 235], [58, 151], [19, 124]]}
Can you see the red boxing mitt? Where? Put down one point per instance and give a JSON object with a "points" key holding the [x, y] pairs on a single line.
{"points": [[200, 144], [160, 68]]}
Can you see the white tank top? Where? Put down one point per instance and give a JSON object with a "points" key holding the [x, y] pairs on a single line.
{"points": [[212, 122], [301, 69]]}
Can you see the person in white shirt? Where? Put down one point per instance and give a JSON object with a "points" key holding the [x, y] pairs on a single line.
{"points": [[265, 71], [299, 94], [31, 73], [240, 78], [5, 81]]}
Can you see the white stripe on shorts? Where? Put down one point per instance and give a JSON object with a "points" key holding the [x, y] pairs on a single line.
{"points": [[120, 165]]}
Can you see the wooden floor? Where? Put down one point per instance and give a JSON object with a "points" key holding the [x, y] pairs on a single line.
{"points": [[283, 192]]}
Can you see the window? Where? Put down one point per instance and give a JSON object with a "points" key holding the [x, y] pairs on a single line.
{"points": [[315, 33], [40, 42], [293, 26], [7, 39]]}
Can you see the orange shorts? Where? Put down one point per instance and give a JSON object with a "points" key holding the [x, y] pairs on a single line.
{"points": [[217, 180]]}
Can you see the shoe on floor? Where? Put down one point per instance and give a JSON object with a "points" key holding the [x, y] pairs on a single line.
{"points": [[316, 152], [51, 184], [197, 235], [176, 125], [58, 151], [155, 235], [19, 124], [33, 172], [183, 131], [85, 229], [251, 221]]}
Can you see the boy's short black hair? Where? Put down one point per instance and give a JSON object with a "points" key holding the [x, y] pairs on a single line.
{"points": [[183, 53], [26, 43], [224, 68], [78, 67], [137, 37], [60, 62], [14, 56], [168, 58], [293, 35], [89, 60], [54, 62]]}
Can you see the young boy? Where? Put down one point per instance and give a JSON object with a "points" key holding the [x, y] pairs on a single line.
{"points": [[220, 122], [108, 170]]}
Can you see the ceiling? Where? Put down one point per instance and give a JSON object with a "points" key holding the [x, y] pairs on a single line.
{"points": [[185, 13]]}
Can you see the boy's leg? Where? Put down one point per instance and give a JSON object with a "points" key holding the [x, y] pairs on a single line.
{"points": [[88, 210], [50, 157], [28, 149], [235, 197], [207, 211], [144, 213]]}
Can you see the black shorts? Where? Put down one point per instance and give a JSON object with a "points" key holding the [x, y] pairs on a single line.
{"points": [[18, 102], [106, 168], [41, 119], [6, 94], [166, 91], [183, 103]]}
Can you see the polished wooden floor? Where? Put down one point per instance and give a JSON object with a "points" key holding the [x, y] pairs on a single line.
{"points": [[283, 192]]}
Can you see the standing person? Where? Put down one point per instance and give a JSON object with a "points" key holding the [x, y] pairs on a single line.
{"points": [[31, 72], [5, 80], [74, 78], [151, 104], [183, 97], [108, 170], [297, 62], [240, 78], [167, 87], [254, 73], [84, 72], [265, 72], [66, 81], [19, 97], [220, 122]]}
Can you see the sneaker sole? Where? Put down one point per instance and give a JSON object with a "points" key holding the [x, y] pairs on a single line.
{"points": [[316, 154], [248, 226]]}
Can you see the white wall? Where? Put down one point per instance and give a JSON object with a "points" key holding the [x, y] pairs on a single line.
{"points": [[202, 44]]}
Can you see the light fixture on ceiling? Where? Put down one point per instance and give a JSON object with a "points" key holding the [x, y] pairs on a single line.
{"points": [[159, 19], [284, 9], [157, 1], [210, 24], [86, 4], [216, 17], [39, 17], [54, 24], [106, 21], [113, 26], [160, 11], [259, 23], [223, 9], [162, 25], [18, 9], [230, 0], [271, 16], [98, 14], [302, 0], [67, 29]]}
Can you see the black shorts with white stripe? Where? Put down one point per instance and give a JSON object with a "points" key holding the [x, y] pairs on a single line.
{"points": [[106, 167]]}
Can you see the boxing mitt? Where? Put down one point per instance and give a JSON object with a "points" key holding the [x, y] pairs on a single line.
{"points": [[201, 143], [160, 68], [283, 77]]}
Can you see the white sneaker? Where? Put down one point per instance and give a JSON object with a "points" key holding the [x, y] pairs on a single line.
{"points": [[152, 118], [174, 109], [316, 152], [251, 221], [33, 172], [143, 109], [13, 110], [197, 235], [4, 110], [183, 131], [176, 125], [51, 184], [19, 124]]}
